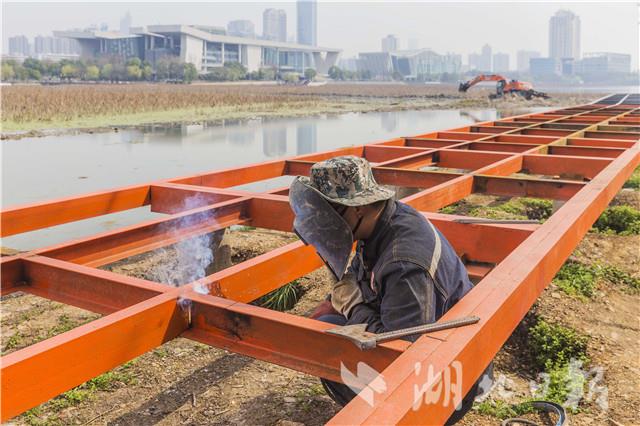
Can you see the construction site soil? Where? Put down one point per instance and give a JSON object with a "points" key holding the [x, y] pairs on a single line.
{"points": [[184, 382]]}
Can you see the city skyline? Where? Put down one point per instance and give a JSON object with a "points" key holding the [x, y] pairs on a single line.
{"points": [[14, 16]]}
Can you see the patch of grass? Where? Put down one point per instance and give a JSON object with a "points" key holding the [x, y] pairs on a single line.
{"points": [[161, 352], [617, 276], [634, 180], [243, 228], [70, 398], [514, 208], [503, 410], [451, 209], [554, 345], [34, 417], [109, 380], [577, 279], [13, 342], [621, 220], [283, 298]]}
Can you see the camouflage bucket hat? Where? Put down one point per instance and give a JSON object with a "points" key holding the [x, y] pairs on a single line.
{"points": [[346, 180]]}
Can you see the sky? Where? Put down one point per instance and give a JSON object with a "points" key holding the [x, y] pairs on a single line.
{"points": [[359, 26]]}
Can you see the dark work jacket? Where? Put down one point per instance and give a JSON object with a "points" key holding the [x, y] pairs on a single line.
{"points": [[407, 271]]}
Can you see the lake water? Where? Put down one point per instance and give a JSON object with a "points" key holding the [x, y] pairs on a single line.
{"points": [[41, 169]]}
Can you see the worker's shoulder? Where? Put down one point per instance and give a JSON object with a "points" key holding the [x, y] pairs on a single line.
{"points": [[408, 219]]}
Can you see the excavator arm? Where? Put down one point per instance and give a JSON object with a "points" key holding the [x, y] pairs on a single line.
{"points": [[482, 77]]}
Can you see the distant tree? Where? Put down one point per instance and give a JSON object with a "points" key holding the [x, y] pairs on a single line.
{"points": [[147, 72], [7, 72], [176, 69], [134, 72], [92, 72], [190, 72], [106, 73], [119, 72], [217, 74], [235, 71], [310, 73], [68, 71], [34, 74], [134, 62], [162, 69], [336, 73], [290, 77], [34, 64], [53, 69]]}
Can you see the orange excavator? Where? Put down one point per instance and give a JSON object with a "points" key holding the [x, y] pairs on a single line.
{"points": [[504, 86]]}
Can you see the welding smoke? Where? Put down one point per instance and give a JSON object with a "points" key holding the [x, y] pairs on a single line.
{"points": [[187, 260]]}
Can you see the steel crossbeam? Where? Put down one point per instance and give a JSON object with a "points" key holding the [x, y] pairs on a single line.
{"points": [[579, 156]]}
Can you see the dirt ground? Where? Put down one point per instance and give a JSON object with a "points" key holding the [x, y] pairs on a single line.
{"points": [[184, 382]]}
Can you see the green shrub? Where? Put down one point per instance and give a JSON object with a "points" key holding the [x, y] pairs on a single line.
{"points": [[553, 346], [577, 279], [503, 410], [537, 208], [283, 298], [623, 220], [618, 276]]}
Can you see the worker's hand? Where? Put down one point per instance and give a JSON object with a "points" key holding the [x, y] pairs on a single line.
{"points": [[346, 294], [324, 308]]}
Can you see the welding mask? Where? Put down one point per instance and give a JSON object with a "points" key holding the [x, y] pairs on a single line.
{"points": [[318, 224]]}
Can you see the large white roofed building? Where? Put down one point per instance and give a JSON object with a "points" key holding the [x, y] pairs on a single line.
{"points": [[205, 49]]}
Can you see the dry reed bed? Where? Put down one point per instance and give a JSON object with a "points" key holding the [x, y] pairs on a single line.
{"points": [[46, 103], [23, 104]]}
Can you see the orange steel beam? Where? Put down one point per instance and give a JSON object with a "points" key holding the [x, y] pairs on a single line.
{"points": [[258, 332], [46, 369], [95, 290], [267, 335], [42, 215]]}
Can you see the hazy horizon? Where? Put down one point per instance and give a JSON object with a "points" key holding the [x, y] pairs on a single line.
{"points": [[359, 26]]}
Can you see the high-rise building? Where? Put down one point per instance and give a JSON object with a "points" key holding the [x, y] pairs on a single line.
{"points": [[125, 23], [274, 25], [390, 43], [19, 45], [474, 60], [523, 58], [603, 63], [307, 22], [241, 28], [500, 62], [545, 67], [564, 35], [43, 45], [484, 60]]}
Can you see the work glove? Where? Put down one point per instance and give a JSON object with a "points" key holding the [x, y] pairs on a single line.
{"points": [[346, 294]]}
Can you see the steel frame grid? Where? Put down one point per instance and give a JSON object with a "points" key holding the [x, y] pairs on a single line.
{"points": [[587, 157]]}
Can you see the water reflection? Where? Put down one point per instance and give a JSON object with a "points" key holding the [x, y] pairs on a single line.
{"points": [[389, 120], [306, 138], [274, 140]]}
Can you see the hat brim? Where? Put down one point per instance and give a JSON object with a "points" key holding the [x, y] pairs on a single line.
{"points": [[362, 198]]}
